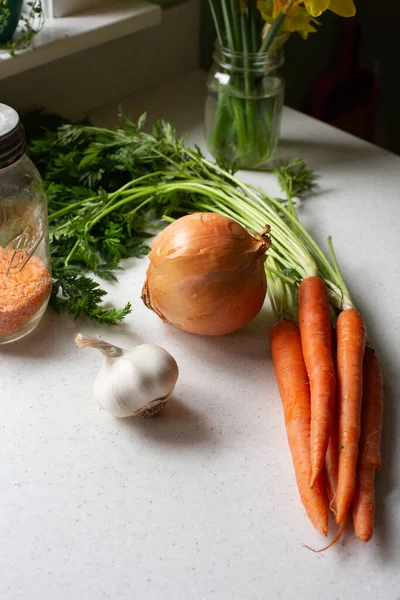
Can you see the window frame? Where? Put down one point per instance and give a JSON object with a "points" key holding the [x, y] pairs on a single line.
{"points": [[66, 8]]}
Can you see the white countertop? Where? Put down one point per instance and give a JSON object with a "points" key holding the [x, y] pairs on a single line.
{"points": [[201, 502]]}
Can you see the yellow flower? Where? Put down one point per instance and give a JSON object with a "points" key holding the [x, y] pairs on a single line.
{"points": [[344, 8], [278, 6], [297, 19]]}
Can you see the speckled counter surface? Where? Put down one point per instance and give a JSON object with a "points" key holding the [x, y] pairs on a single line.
{"points": [[201, 502]]}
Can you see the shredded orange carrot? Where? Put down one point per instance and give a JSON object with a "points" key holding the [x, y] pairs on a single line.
{"points": [[24, 286]]}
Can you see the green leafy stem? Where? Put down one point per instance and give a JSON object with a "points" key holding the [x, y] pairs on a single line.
{"points": [[110, 190]]}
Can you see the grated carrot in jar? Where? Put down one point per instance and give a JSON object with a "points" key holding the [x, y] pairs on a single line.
{"points": [[25, 284]]}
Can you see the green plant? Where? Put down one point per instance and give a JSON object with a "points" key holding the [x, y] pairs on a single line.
{"points": [[30, 23], [106, 190], [4, 14]]}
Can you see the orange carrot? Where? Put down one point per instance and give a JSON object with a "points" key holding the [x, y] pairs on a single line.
{"points": [[294, 389], [332, 453], [350, 335], [332, 463], [315, 330], [370, 459]]}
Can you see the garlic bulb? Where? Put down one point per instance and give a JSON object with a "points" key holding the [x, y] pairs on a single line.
{"points": [[135, 382]]}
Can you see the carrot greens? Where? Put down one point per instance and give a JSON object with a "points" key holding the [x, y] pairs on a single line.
{"points": [[107, 187]]}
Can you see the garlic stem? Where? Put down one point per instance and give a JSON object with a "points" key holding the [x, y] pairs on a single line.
{"points": [[108, 350]]}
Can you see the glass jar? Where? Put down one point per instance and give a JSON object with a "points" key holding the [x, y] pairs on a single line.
{"points": [[243, 106], [25, 276]]}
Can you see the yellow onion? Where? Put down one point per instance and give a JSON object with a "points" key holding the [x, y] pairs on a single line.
{"points": [[206, 274]]}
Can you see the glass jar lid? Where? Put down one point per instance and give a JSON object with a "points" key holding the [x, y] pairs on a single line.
{"points": [[12, 136]]}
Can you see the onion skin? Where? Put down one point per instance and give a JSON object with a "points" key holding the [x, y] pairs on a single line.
{"points": [[206, 274]]}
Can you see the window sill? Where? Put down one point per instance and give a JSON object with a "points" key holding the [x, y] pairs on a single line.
{"points": [[64, 36]]}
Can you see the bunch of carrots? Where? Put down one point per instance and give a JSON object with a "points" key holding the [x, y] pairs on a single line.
{"points": [[331, 386], [330, 381]]}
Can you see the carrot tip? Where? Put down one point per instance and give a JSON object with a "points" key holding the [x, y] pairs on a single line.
{"points": [[364, 537], [332, 543], [314, 476], [322, 527], [341, 513], [340, 517]]}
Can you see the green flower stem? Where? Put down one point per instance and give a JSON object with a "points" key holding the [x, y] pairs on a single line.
{"points": [[223, 127], [228, 29], [275, 27], [232, 29], [217, 23], [248, 101], [234, 10], [255, 32]]}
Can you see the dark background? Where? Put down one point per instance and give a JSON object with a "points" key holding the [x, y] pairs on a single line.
{"points": [[347, 74]]}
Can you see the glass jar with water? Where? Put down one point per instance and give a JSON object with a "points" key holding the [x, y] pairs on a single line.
{"points": [[243, 107]]}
